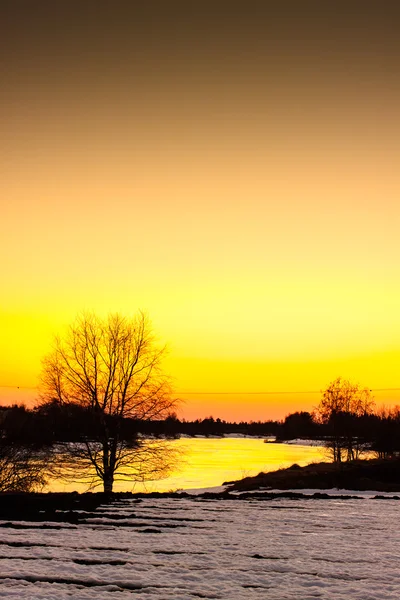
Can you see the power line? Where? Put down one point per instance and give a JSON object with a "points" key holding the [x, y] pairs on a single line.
{"points": [[385, 390], [18, 387], [231, 393], [274, 393], [244, 393]]}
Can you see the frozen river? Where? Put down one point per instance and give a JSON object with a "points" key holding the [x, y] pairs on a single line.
{"points": [[190, 548], [208, 462]]}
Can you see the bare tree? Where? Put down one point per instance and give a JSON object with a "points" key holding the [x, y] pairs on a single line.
{"points": [[342, 405], [23, 461], [21, 469], [111, 368]]}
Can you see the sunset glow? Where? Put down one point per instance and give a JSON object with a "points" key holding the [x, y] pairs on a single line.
{"points": [[234, 175]]}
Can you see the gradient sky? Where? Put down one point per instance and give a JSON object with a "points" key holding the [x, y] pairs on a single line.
{"points": [[232, 168]]}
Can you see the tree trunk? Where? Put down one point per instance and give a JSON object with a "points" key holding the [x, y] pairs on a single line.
{"points": [[108, 482], [108, 462]]}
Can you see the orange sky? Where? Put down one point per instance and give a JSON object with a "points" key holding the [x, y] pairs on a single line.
{"points": [[232, 172]]}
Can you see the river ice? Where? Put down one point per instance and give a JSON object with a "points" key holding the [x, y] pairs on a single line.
{"points": [[190, 548]]}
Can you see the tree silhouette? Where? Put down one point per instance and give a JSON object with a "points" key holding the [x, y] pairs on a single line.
{"points": [[341, 409], [111, 368], [23, 457]]}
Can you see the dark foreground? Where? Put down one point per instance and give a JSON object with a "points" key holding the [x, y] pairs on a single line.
{"points": [[74, 508], [78, 509]]}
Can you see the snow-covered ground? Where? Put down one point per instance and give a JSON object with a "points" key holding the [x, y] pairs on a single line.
{"points": [[303, 442], [190, 548]]}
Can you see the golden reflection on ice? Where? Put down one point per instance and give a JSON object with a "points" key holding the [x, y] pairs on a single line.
{"points": [[208, 462]]}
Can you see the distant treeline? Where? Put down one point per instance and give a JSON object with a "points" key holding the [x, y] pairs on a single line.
{"points": [[52, 422], [70, 423]]}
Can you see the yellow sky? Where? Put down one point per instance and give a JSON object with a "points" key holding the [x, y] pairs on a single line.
{"points": [[236, 176]]}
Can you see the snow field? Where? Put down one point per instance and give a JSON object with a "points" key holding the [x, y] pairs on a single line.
{"points": [[188, 548]]}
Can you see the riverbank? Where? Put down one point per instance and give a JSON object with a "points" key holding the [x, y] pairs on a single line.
{"points": [[381, 475]]}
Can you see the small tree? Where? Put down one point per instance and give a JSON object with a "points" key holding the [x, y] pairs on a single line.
{"points": [[21, 469], [111, 368], [23, 458], [386, 438], [341, 409]]}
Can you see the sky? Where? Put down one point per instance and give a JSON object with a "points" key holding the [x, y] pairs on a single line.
{"points": [[231, 168]]}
